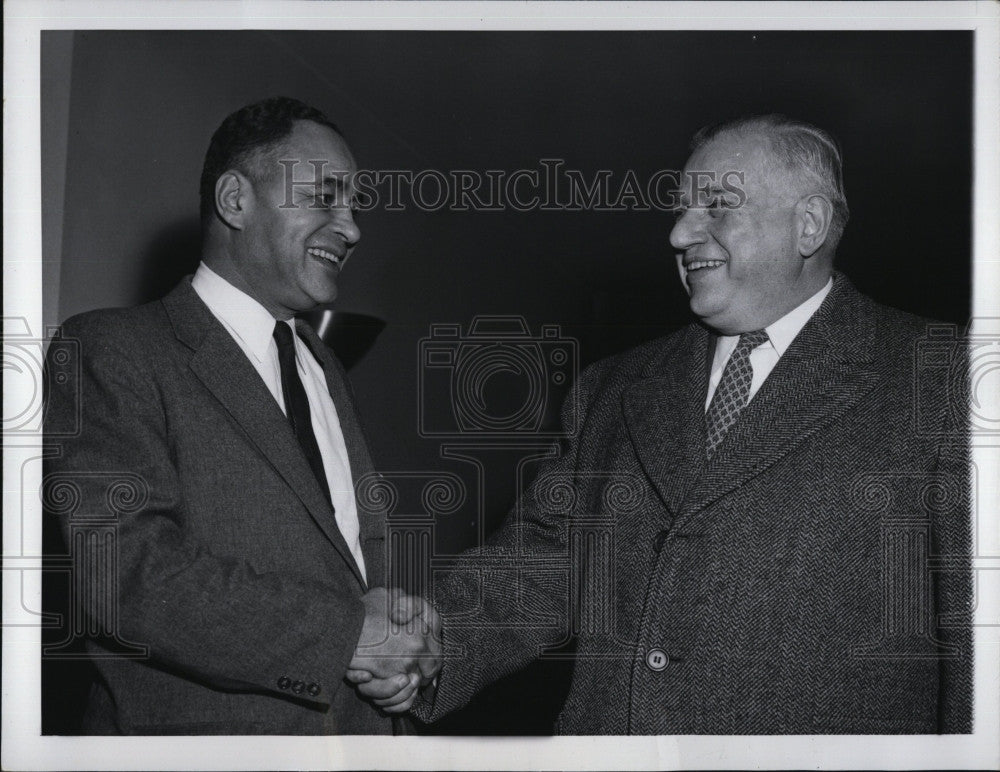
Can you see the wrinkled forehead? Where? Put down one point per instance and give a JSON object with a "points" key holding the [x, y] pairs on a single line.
{"points": [[732, 158], [729, 152]]}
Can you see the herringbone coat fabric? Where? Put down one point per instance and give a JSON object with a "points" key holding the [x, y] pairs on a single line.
{"points": [[812, 577], [225, 565]]}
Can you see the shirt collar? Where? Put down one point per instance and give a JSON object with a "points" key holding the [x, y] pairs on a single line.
{"points": [[782, 332], [243, 315]]}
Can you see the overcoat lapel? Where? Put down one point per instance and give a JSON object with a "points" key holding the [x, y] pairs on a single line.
{"points": [[664, 414], [227, 374], [824, 373]]}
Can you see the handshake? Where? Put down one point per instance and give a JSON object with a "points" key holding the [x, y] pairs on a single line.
{"points": [[399, 650]]}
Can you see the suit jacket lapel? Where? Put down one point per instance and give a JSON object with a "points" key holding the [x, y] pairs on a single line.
{"points": [[664, 414], [825, 371], [226, 373]]}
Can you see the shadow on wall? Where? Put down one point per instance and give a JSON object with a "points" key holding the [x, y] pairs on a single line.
{"points": [[172, 254]]}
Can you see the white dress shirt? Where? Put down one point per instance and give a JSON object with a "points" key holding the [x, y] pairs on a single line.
{"points": [[252, 327], [765, 356]]}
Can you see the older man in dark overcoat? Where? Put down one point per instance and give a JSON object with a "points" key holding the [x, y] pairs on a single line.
{"points": [[762, 523]]}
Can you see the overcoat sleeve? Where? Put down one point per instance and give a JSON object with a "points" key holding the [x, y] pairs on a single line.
{"points": [[507, 601], [951, 551]]}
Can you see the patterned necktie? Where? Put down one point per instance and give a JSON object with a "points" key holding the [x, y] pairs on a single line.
{"points": [[733, 391], [297, 405]]}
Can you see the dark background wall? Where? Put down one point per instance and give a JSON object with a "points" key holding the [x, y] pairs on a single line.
{"points": [[123, 144]]}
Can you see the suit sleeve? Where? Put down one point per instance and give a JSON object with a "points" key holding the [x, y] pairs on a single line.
{"points": [[506, 602], [211, 618]]}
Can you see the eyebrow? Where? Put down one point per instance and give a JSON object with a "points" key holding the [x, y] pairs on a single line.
{"points": [[682, 194], [334, 180], [334, 183]]}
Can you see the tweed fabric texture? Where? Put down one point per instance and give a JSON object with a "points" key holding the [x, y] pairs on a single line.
{"points": [[228, 566], [812, 577], [733, 391]]}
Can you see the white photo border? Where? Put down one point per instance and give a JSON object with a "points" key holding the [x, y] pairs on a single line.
{"points": [[23, 745]]}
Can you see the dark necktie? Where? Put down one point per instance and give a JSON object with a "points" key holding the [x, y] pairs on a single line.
{"points": [[297, 405], [733, 391]]}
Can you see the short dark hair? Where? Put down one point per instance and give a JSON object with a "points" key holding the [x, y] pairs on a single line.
{"points": [[800, 146], [246, 137]]}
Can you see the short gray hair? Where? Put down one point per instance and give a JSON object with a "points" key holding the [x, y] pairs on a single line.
{"points": [[802, 148]]}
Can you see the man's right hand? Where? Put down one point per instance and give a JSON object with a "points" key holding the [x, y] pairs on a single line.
{"points": [[399, 649]]}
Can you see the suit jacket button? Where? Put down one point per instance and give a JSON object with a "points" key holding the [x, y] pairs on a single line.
{"points": [[284, 682], [313, 689], [298, 686], [657, 660]]}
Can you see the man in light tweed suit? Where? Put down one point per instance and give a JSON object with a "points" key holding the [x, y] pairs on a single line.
{"points": [[749, 533], [208, 498]]}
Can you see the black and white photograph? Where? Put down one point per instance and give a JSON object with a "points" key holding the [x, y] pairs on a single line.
{"points": [[501, 385]]}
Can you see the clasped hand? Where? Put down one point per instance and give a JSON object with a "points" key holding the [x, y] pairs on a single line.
{"points": [[399, 650]]}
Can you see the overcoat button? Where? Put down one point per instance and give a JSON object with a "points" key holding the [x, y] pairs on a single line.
{"points": [[284, 682], [657, 660], [313, 689], [298, 686]]}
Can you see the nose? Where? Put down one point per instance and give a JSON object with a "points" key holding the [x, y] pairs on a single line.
{"points": [[346, 226], [688, 230]]}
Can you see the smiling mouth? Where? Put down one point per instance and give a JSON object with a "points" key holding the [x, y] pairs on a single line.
{"points": [[700, 265], [323, 254]]}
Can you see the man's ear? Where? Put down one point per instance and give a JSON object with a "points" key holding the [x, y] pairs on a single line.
{"points": [[232, 194], [815, 212]]}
